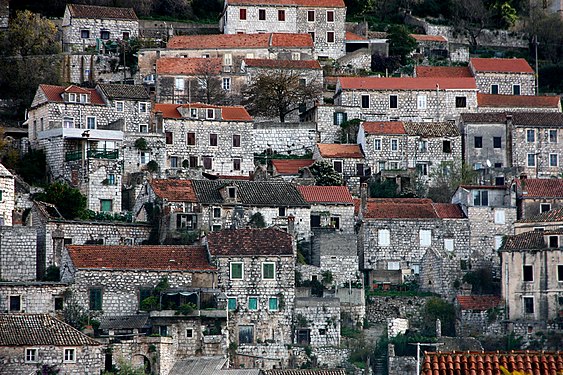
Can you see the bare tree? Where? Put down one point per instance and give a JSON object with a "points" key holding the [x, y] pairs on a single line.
{"points": [[472, 16], [209, 88]]}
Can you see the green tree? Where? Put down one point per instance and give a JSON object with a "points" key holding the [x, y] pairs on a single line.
{"points": [[349, 130], [383, 189], [447, 179], [30, 34], [436, 308], [70, 201], [32, 167], [401, 43], [324, 174]]}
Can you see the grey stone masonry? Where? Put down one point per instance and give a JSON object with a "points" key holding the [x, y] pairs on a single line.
{"points": [[336, 252], [285, 138], [17, 253], [321, 318], [506, 83], [7, 196], [339, 217], [328, 119], [439, 271], [34, 297], [379, 309]]}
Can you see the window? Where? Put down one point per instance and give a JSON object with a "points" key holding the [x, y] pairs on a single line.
{"points": [[95, 299], [282, 212], [337, 164], [393, 101], [553, 241], [193, 161], [530, 135], [253, 303], [480, 198], [460, 102], [179, 84], [59, 303], [189, 333], [69, 355], [169, 138], [330, 16], [212, 139], [125, 35], [143, 128], [449, 244], [68, 122], [322, 331], [85, 34], [31, 355], [217, 212], [497, 142], [144, 157], [236, 164], [232, 303], [553, 160], [340, 117], [422, 169], [268, 271], [528, 305], [447, 147], [261, 14], [311, 16], [498, 242], [544, 207], [273, 304], [422, 145], [383, 237], [560, 272], [193, 112], [242, 14], [515, 89], [72, 98], [111, 179], [421, 102], [207, 162], [119, 106], [105, 205], [531, 160], [143, 107], [393, 265], [528, 273], [210, 114], [330, 36], [104, 34], [90, 122], [83, 98], [245, 334], [227, 84], [163, 330], [295, 56], [191, 139], [236, 140], [377, 144], [365, 101], [494, 89], [360, 169], [15, 303], [237, 270], [499, 217], [394, 144], [425, 238], [478, 142], [281, 15], [312, 33], [173, 162]]}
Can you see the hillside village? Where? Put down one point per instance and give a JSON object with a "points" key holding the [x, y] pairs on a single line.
{"points": [[258, 196]]}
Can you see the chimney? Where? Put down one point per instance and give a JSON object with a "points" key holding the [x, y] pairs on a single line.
{"points": [[291, 225], [363, 198], [158, 121]]}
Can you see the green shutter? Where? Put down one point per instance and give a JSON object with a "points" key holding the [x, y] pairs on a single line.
{"points": [[253, 303], [95, 299], [232, 303], [236, 270], [273, 303]]}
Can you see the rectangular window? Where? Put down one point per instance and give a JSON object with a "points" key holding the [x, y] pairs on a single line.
{"points": [[179, 84], [446, 147], [494, 89], [253, 303], [232, 303], [173, 162], [553, 136], [31, 355], [478, 142], [384, 237], [104, 34], [500, 217], [236, 140], [531, 160], [143, 107], [553, 160], [242, 14], [237, 270], [144, 157], [311, 15], [212, 139], [365, 101], [90, 122], [245, 334], [330, 16], [169, 138], [193, 161], [422, 146], [394, 144], [449, 244], [425, 238], [544, 207], [83, 98], [68, 122], [106, 205], [393, 101], [560, 272], [111, 179], [337, 164], [330, 36], [262, 14], [59, 303], [236, 164], [95, 299], [273, 303], [360, 169], [554, 241], [497, 142], [193, 112], [191, 139], [498, 242], [393, 265], [189, 333], [377, 144], [85, 34], [460, 102], [217, 212], [515, 89], [268, 271], [527, 273], [143, 128], [69, 355], [125, 35], [282, 212], [422, 169], [480, 198], [119, 106], [207, 162], [340, 117], [15, 303], [227, 83], [421, 102], [281, 15], [528, 305], [530, 135], [210, 114]]}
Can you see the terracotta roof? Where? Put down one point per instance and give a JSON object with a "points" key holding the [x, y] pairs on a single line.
{"points": [[406, 83], [243, 242], [485, 363], [443, 71], [552, 216], [40, 330], [187, 65], [429, 38], [221, 41], [500, 65], [448, 211], [548, 119], [114, 91], [351, 36], [517, 101], [525, 241], [290, 166], [384, 128], [326, 194], [228, 113], [302, 3], [174, 190], [432, 129], [540, 188], [54, 93], [282, 64], [150, 257], [100, 12], [337, 371], [336, 150], [480, 303], [411, 208]]}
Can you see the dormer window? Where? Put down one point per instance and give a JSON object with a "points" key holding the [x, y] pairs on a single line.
{"points": [[232, 192], [193, 112], [83, 98], [210, 114], [72, 97]]}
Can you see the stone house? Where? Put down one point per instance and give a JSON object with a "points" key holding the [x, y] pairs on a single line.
{"points": [[216, 139], [328, 119], [546, 221], [289, 169], [7, 196], [325, 21], [346, 159], [430, 46], [317, 322], [29, 342], [84, 26], [407, 98], [532, 281], [257, 274], [18, 246], [503, 76], [517, 103], [478, 314], [32, 297], [535, 196], [331, 207]]}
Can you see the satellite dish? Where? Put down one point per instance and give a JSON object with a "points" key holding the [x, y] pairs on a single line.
{"points": [[488, 162]]}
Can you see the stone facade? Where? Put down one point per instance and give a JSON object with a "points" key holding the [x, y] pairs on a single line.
{"points": [[328, 119], [336, 252], [285, 138], [439, 271], [505, 83], [379, 309], [7, 196], [17, 253], [34, 297], [350, 163], [317, 322]]}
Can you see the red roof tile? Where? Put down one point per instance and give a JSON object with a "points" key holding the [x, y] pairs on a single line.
{"points": [[336, 150], [500, 65], [410, 208], [351, 36], [406, 83], [153, 257], [187, 66], [290, 166], [220, 41], [481, 303], [244, 242], [326, 194], [429, 38], [448, 211], [384, 128], [303, 3], [174, 190], [101, 12], [291, 40], [54, 93], [540, 187], [282, 64], [518, 101], [228, 113], [443, 71]]}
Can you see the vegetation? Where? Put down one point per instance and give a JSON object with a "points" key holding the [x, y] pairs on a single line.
{"points": [[447, 179], [257, 220], [32, 167], [53, 273], [482, 281], [324, 174], [437, 308], [125, 368], [349, 130], [69, 201]]}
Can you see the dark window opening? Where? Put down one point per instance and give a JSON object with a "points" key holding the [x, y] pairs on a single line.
{"points": [[393, 101], [95, 299], [460, 102], [528, 271], [497, 142], [447, 147], [15, 303], [261, 14], [191, 139], [212, 139], [478, 141]]}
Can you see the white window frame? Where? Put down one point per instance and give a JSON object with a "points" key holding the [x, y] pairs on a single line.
{"points": [[296, 55], [265, 263], [119, 106], [95, 122], [65, 118], [228, 59], [72, 97], [333, 16], [277, 303], [449, 244], [421, 102], [231, 271], [425, 237], [72, 352], [362, 101], [83, 98], [143, 107], [193, 112], [545, 204], [500, 217], [533, 131], [394, 144], [384, 237], [556, 160], [333, 37], [146, 156], [35, 355], [341, 166], [549, 135], [209, 111], [226, 83], [497, 86], [533, 159], [377, 144], [143, 126], [519, 89], [498, 241], [179, 84]]}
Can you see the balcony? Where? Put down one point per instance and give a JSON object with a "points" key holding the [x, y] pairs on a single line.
{"points": [[92, 154]]}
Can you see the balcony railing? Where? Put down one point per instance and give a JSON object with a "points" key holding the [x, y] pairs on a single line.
{"points": [[94, 154], [73, 155]]}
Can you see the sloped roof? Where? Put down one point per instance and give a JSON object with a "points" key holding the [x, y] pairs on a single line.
{"points": [[517, 101], [326, 194], [384, 127], [242, 242], [337, 150], [429, 38], [224, 41], [290, 166], [291, 40], [282, 64], [54, 93], [410, 208], [187, 65], [251, 193], [480, 303], [525, 241], [500, 65], [448, 211], [174, 190], [124, 321], [432, 129], [4, 172], [540, 188], [443, 71], [407, 83], [303, 3], [146, 257], [100, 12], [485, 363], [228, 113], [552, 216], [352, 36], [199, 365], [518, 118], [39, 329], [337, 371], [116, 91]]}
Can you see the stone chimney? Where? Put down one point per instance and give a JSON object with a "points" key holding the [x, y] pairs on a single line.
{"points": [[363, 198], [291, 225], [158, 121]]}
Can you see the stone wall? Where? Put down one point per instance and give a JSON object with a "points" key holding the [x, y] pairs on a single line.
{"points": [[328, 127], [328, 213], [439, 271], [321, 316], [285, 138], [79, 68], [478, 323], [506, 82], [7, 197], [336, 252], [352, 303], [18, 253], [541, 148], [36, 298], [380, 308]]}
